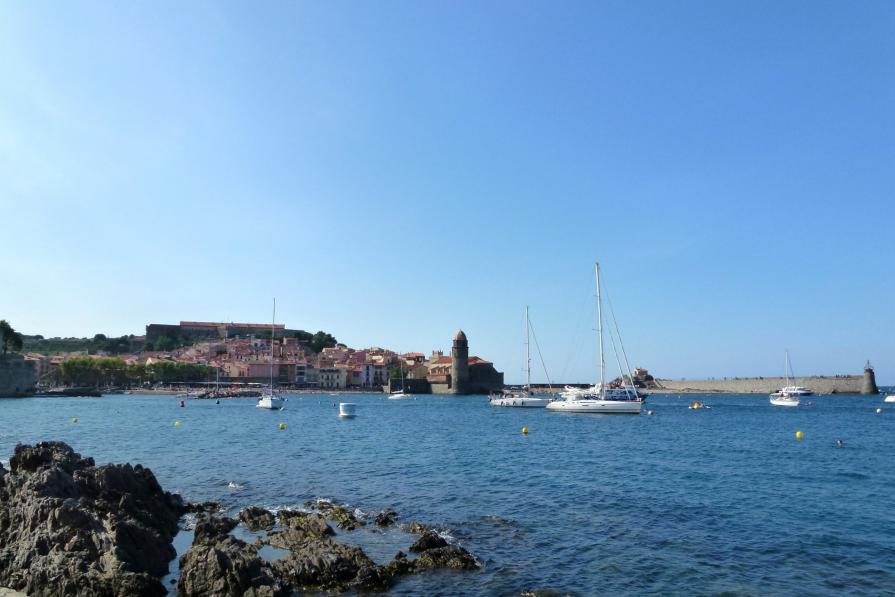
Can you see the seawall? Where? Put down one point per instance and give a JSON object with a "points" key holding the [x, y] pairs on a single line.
{"points": [[845, 384], [17, 376]]}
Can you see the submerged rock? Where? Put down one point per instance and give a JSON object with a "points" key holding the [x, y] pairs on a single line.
{"points": [[257, 519], [416, 528], [343, 518], [70, 527], [386, 518]]}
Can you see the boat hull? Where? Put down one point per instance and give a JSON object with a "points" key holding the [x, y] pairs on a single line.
{"points": [[781, 401], [890, 398], [399, 396], [521, 402], [614, 407]]}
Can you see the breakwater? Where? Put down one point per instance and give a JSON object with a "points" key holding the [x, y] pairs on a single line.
{"points": [[842, 384]]}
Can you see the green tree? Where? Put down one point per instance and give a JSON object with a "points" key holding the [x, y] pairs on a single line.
{"points": [[12, 340], [321, 340]]}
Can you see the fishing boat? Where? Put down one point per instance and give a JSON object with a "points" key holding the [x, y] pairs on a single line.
{"points": [[789, 395], [621, 398], [524, 398], [270, 399]]}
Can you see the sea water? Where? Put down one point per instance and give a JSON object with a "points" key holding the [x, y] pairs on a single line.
{"points": [[717, 500]]}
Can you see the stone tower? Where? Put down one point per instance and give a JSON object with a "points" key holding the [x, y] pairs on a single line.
{"points": [[869, 386], [459, 364]]}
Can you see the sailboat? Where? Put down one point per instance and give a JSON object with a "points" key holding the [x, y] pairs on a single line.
{"points": [[400, 394], [270, 399], [788, 395], [620, 399], [523, 399]]}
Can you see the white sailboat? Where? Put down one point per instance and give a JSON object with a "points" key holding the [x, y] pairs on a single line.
{"points": [[400, 394], [789, 395], [623, 399], [270, 399], [523, 399]]}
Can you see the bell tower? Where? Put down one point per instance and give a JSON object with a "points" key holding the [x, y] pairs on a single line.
{"points": [[459, 363]]}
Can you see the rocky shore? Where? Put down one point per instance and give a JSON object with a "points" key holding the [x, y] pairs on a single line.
{"points": [[69, 527]]}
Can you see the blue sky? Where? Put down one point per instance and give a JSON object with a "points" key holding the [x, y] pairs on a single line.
{"points": [[392, 171]]}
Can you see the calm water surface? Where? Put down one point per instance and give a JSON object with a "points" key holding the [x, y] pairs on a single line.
{"points": [[688, 502]]}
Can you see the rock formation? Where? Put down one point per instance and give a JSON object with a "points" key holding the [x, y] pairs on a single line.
{"points": [[69, 527]]}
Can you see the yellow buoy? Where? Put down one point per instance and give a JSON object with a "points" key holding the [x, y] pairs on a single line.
{"points": [[282, 425], [525, 430], [74, 420], [800, 435], [177, 423]]}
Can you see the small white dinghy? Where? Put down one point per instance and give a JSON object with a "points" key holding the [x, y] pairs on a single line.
{"points": [[890, 398], [346, 410]]}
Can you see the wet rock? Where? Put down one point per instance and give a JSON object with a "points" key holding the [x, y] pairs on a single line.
{"points": [[450, 556], [311, 524], [343, 518], [386, 518], [320, 564], [70, 527], [212, 529], [400, 565], [416, 528], [430, 540], [221, 565], [202, 507], [257, 519]]}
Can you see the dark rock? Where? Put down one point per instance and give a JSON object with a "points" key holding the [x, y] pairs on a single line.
{"points": [[202, 507], [219, 564], [311, 524], [344, 519], [321, 564], [69, 527], [430, 540], [386, 518], [451, 556], [374, 578], [212, 529], [400, 565], [257, 519]]}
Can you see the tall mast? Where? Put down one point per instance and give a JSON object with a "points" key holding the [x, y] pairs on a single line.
{"points": [[527, 353], [272, 323], [787, 367], [600, 329]]}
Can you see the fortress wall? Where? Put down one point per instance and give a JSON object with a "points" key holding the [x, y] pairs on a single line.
{"points": [[17, 376], [850, 384]]}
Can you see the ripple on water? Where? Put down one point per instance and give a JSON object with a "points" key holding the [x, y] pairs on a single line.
{"points": [[718, 501]]}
